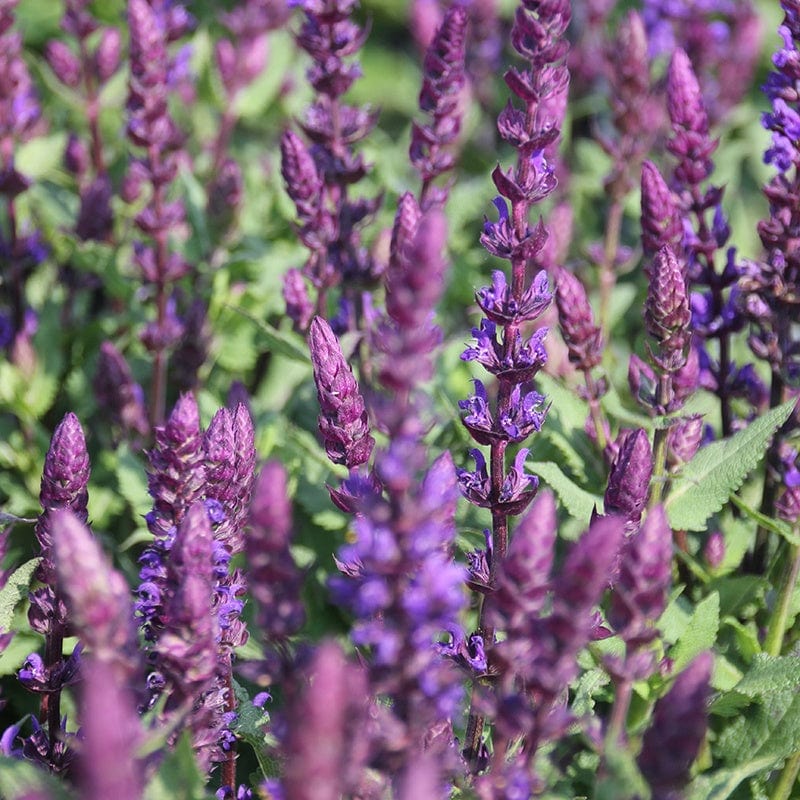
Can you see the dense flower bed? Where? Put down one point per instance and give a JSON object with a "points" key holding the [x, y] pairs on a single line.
{"points": [[295, 533]]}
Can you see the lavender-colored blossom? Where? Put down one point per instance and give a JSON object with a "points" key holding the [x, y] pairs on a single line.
{"points": [[274, 579], [191, 350], [583, 338], [176, 480], [523, 578], [321, 749], [635, 115], [667, 314], [112, 733], [661, 221], [722, 38], [186, 647], [97, 596], [64, 486], [118, 394], [443, 80], [628, 483], [690, 143], [337, 256], [343, 417], [415, 281], [684, 440], [672, 741], [500, 306], [403, 586], [537, 659], [639, 593], [714, 550], [526, 414]]}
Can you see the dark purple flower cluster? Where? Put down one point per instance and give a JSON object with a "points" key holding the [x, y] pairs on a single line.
{"points": [[771, 288], [209, 476], [441, 98], [721, 37], [318, 177], [151, 127]]}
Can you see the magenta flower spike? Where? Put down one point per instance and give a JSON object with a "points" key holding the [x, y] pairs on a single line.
{"points": [[661, 219], [626, 495], [583, 338], [321, 753], [676, 733], [274, 579], [97, 596], [343, 419], [119, 395], [108, 764], [442, 84]]}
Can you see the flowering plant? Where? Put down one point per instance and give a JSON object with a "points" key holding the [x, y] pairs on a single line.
{"points": [[274, 525]]}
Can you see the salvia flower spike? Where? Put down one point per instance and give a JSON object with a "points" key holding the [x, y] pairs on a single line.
{"points": [[343, 416]]}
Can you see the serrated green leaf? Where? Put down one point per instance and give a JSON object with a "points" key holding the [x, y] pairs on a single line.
{"points": [[700, 633], [178, 777], [14, 591], [770, 674], [578, 502], [250, 727], [719, 469], [721, 784], [20, 779]]}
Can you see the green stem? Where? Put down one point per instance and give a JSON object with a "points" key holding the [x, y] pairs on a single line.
{"points": [[785, 784], [608, 277], [595, 410], [619, 713], [777, 623]]}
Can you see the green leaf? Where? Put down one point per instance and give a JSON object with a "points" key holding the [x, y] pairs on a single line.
{"points": [[132, 481], [178, 777], [20, 779], [15, 590], [286, 343], [770, 674], [699, 635], [721, 784], [250, 726], [578, 502], [783, 529], [719, 469]]}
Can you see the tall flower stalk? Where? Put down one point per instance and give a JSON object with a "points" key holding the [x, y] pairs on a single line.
{"points": [[152, 128], [502, 347], [318, 178]]}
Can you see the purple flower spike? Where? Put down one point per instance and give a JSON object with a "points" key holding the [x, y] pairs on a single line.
{"points": [[639, 594], [684, 439], [691, 143], [667, 313], [321, 749], [523, 578], [661, 220], [300, 175], [343, 417], [583, 338], [676, 733], [443, 81], [176, 480], [97, 595], [275, 582], [64, 485], [629, 480], [186, 648], [516, 364], [118, 394], [108, 765]]}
